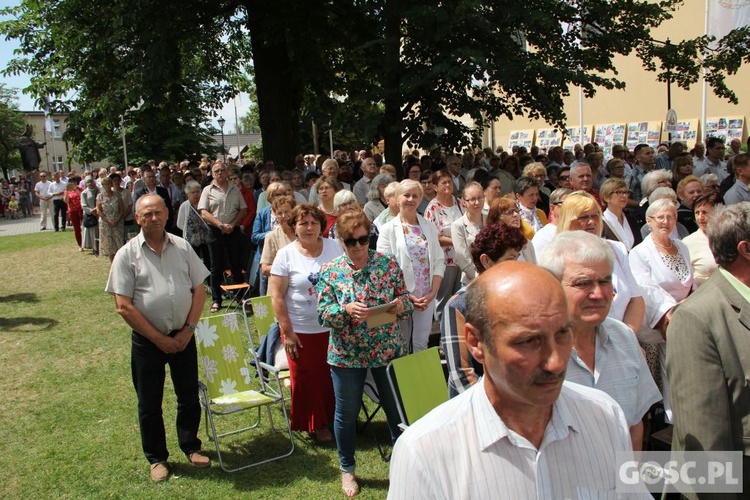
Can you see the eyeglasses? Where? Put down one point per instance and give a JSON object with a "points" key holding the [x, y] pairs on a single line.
{"points": [[622, 193], [663, 218], [362, 240], [474, 200], [511, 212], [586, 218]]}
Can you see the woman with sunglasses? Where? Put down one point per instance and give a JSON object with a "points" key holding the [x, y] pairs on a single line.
{"points": [[348, 287]]}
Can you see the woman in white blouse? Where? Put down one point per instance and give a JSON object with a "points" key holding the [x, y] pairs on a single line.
{"points": [[662, 264], [465, 229], [701, 258], [618, 226], [414, 242]]}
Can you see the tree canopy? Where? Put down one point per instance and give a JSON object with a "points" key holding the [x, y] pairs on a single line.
{"points": [[12, 123], [422, 72]]}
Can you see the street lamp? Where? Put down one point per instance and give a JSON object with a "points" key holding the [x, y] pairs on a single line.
{"points": [[222, 121]]}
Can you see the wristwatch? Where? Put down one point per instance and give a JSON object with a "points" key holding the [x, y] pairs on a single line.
{"points": [[191, 326]]}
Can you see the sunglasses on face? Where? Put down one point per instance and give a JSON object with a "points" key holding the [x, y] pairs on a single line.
{"points": [[362, 240]]}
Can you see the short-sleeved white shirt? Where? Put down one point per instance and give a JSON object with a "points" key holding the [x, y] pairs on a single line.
{"points": [[161, 287], [302, 294]]}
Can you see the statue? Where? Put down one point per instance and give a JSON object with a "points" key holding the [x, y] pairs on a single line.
{"points": [[29, 150]]}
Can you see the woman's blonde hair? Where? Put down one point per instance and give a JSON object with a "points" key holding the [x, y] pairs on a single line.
{"points": [[574, 205]]}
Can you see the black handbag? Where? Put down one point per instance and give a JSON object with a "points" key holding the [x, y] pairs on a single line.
{"points": [[90, 220]]}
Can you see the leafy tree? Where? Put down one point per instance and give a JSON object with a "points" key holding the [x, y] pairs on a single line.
{"points": [[12, 123], [404, 70], [160, 65], [250, 123]]}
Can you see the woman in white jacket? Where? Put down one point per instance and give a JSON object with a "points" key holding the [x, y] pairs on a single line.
{"points": [[661, 264], [414, 242]]}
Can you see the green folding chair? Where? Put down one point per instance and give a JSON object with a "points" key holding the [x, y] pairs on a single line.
{"points": [[418, 384], [264, 318], [226, 384]]}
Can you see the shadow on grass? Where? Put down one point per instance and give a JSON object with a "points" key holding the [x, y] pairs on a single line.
{"points": [[27, 324], [20, 297]]}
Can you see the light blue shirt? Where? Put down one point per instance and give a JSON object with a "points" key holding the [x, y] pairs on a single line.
{"points": [[620, 370]]}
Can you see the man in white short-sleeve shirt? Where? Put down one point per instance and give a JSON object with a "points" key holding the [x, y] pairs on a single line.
{"points": [[157, 281], [521, 431]]}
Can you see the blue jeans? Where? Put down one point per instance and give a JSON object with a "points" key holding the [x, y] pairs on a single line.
{"points": [[348, 385]]}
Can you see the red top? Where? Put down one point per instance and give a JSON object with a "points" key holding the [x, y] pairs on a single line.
{"points": [[74, 201], [249, 198], [330, 221]]}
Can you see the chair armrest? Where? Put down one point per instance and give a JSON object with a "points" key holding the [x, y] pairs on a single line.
{"points": [[269, 368]]}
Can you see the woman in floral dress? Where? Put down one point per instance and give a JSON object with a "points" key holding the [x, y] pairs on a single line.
{"points": [[110, 208], [414, 242], [443, 211], [348, 286]]}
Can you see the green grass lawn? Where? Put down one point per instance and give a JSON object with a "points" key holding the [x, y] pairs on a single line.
{"points": [[69, 427]]}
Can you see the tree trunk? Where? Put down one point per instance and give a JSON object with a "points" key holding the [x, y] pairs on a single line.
{"points": [[391, 85], [278, 80]]}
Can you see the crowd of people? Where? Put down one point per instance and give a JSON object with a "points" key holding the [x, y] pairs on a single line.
{"points": [[624, 240]]}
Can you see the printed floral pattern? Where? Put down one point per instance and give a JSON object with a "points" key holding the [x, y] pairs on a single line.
{"points": [[205, 334], [443, 217], [417, 245], [353, 344], [224, 369]]}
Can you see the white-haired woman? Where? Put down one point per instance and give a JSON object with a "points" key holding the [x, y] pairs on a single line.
{"points": [[649, 183], [343, 201], [189, 220], [662, 192], [375, 199], [662, 263], [391, 211], [414, 242]]}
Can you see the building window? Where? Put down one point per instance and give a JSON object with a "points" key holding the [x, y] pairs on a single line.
{"points": [[56, 132], [57, 163]]}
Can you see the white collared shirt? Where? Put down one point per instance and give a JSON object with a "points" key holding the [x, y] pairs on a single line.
{"points": [[624, 232], [463, 450]]}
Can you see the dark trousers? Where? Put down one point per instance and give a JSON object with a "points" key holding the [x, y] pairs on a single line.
{"points": [[147, 364], [219, 245], [61, 210]]}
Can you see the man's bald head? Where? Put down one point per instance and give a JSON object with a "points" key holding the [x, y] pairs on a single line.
{"points": [[509, 291]]}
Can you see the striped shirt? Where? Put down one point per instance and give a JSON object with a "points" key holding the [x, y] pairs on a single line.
{"points": [[620, 370], [462, 450]]}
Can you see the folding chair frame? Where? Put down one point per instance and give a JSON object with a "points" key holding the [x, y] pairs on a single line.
{"points": [[274, 393]]}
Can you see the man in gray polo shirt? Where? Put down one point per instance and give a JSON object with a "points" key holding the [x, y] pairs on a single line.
{"points": [[223, 207], [157, 281]]}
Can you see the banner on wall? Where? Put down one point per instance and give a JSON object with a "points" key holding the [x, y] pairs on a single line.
{"points": [[547, 138], [608, 135], [686, 131], [725, 127], [520, 138], [643, 133], [573, 136]]}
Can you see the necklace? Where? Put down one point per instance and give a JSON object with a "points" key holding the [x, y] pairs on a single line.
{"points": [[316, 250], [322, 207], [670, 247]]}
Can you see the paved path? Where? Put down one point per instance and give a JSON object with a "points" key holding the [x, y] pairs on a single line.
{"points": [[10, 227]]}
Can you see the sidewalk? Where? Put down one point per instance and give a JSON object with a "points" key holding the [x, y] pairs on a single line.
{"points": [[10, 227]]}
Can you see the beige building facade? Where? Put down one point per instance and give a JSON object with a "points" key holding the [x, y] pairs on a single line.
{"points": [[55, 154], [643, 101]]}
